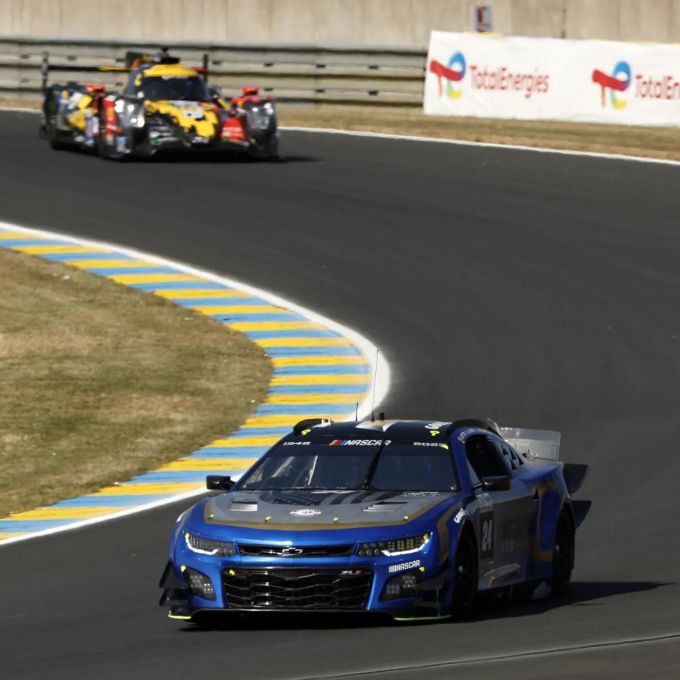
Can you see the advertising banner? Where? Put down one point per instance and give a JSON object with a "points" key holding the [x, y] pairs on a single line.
{"points": [[545, 78]]}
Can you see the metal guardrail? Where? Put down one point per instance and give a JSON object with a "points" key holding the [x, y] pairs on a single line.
{"points": [[300, 73]]}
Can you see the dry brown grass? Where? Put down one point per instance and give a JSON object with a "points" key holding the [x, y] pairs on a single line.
{"points": [[99, 382]]}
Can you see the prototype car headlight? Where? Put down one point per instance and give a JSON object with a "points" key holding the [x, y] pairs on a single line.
{"points": [[206, 546], [138, 120], [399, 546]]}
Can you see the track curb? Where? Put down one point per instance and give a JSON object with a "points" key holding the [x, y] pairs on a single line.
{"points": [[321, 369]]}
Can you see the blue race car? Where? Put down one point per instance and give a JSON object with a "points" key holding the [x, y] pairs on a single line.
{"points": [[413, 519]]}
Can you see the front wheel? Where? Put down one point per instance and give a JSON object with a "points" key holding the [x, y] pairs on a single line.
{"points": [[104, 149], [563, 556], [464, 598]]}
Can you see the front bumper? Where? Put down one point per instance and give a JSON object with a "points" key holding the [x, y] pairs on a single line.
{"points": [[416, 585]]}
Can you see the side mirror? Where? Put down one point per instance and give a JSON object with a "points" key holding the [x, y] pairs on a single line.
{"points": [[215, 93], [218, 483], [501, 483]]}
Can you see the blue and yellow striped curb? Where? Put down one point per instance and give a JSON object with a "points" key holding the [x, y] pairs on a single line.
{"points": [[320, 370]]}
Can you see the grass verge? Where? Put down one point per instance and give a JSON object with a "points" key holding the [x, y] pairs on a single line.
{"points": [[101, 382]]}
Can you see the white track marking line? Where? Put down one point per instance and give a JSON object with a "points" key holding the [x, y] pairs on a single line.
{"points": [[498, 658], [104, 518], [455, 142], [367, 348], [487, 145]]}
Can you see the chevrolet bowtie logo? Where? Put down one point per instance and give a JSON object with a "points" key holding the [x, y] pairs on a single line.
{"points": [[290, 551]]}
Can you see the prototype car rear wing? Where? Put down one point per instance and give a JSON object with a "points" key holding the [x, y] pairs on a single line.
{"points": [[132, 61], [533, 443]]}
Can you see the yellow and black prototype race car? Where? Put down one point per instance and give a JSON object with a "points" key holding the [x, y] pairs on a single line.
{"points": [[165, 106]]}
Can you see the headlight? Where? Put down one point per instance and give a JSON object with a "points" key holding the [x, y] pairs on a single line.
{"points": [[205, 546], [260, 117], [199, 584], [401, 585], [138, 120], [400, 546]]}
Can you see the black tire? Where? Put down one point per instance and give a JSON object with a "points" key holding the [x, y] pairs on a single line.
{"points": [[272, 149], [563, 555], [51, 132], [102, 147], [465, 575]]}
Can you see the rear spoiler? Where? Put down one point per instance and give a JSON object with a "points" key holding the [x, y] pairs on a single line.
{"points": [[132, 61], [545, 444], [533, 443]]}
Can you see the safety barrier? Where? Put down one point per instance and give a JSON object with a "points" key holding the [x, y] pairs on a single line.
{"points": [[551, 79], [302, 73], [381, 23]]}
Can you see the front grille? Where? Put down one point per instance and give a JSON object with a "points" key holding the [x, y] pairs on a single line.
{"points": [[295, 551], [301, 589]]}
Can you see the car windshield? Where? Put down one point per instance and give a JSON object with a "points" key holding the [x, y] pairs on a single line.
{"points": [[174, 88], [355, 465]]}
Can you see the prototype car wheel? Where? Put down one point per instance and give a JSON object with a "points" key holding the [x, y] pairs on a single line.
{"points": [[465, 584], [51, 133], [102, 150], [105, 150], [563, 556]]}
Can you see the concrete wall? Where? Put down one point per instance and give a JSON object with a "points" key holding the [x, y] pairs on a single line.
{"points": [[404, 23]]}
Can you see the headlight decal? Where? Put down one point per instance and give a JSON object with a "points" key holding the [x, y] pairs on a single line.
{"points": [[206, 546], [394, 548]]}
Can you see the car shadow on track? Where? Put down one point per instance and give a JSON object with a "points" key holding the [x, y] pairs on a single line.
{"points": [[226, 158], [582, 593], [282, 621], [198, 157]]}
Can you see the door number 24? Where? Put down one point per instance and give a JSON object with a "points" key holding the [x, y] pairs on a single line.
{"points": [[487, 537]]}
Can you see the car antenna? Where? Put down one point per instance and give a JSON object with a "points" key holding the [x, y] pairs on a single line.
{"points": [[375, 377], [356, 412]]}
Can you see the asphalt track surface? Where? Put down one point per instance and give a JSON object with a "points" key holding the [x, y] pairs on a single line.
{"points": [[541, 290]]}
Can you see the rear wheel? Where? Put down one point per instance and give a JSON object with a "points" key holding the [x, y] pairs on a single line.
{"points": [[563, 556], [51, 132], [464, 579]]}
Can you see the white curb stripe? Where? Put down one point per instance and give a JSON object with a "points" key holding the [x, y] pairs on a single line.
{"points": [[367, 348]]}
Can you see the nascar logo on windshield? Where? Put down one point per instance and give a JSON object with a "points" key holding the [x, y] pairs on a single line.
{"points": [[359, 442]]}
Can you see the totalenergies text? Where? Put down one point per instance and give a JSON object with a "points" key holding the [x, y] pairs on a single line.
{"points": [[505, 80], [649, 87]]}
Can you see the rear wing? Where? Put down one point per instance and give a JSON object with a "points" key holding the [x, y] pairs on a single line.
{"points": [[132, 61], [545, 445], [533, 443]]}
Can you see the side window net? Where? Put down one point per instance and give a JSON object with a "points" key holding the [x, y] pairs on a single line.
{"points": [[512, 457], [484, 459]]}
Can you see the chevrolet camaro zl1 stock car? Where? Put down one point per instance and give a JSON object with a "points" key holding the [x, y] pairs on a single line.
{"points": [[165, 106], [412, 519]]}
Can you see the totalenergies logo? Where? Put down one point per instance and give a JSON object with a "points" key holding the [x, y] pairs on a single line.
{"points": [[498, 78], [453, 72], [618, 81]]}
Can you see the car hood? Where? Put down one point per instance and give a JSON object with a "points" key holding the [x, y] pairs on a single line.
{"points": [[299, 510]]}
